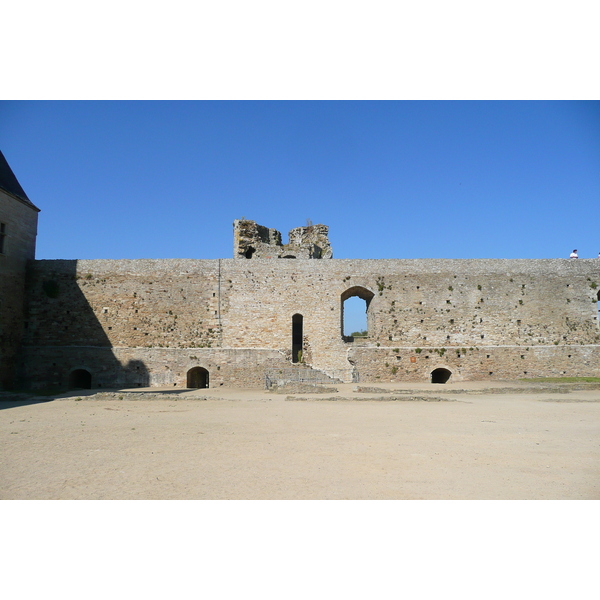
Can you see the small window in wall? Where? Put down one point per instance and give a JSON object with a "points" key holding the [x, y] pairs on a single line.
{"points": [[355, 312], [249, 252], [2, 237], [598, 313], [197, 378], [297, 337], [80, 379]]}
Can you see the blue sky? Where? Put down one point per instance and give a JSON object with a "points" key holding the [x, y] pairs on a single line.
{"points": [[392, 179]]}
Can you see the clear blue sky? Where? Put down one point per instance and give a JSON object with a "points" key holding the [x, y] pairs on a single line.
{"points": [[392, 179]]}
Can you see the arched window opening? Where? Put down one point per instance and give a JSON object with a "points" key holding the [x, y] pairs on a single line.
{"points": [[297, 337], [197, 378], [598, 313], [80, 379], [355, 312], [355, 317], [440, 375], [249, 252]]}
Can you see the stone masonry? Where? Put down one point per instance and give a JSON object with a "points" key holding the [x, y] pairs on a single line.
{"points": [[477, 319], [18, 230], [251, 240]]}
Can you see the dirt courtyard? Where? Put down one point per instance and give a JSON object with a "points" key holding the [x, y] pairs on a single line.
{"points": [[413, 441]]}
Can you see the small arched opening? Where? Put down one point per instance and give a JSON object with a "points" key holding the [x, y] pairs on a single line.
{"points": [[297, 337], [197, 378], [598, 313], [440, 375], [80, 379], [355, 312], [249, 252]]}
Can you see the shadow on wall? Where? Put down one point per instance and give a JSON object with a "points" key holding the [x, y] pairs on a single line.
{"points": [[64, 344]]}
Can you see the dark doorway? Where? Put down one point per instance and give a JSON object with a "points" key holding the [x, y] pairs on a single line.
{"points": [[197, 378], [80, 379], [249, 252], [440, 375], [297, 335]]}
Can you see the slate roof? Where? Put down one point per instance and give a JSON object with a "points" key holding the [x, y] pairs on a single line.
{"points": [[9, 183]]}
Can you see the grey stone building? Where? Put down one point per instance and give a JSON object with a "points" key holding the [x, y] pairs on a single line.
{"points": [[18, 230]]}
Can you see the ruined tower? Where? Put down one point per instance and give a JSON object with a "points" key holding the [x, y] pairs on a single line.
{"points": [[251, 240]]}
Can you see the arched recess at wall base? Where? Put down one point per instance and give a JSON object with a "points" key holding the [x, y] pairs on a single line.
{"points": [[198, 377], [80, 379], [440, 375]]}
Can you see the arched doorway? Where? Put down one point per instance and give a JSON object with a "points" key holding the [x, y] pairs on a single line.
{"points": [[80, 379], [297, 337], [197, 378], [440, 375]]}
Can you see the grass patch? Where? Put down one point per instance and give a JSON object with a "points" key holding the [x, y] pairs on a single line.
{"points": [[563, 379]]}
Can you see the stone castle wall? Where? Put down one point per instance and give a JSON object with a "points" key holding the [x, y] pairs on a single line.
{"points": [[20, 229], [155, 319]]}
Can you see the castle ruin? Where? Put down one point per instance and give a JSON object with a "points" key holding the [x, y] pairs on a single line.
{"points": [[232, 322]]}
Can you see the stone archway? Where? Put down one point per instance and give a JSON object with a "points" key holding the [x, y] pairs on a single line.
{"points": [[80, 379], [197, 378], [440, 375]]}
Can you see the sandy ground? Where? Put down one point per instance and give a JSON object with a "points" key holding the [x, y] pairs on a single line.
{"points": [[511, 442]]}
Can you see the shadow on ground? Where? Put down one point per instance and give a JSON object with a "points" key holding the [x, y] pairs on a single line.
{"points": [[16, 402]]}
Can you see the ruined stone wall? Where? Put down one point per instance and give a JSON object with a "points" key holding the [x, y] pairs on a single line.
{"points": [[20, 221], [123, 303], [433, 303], [474, 317], [253, 241], [49, 367], [389, 365]]}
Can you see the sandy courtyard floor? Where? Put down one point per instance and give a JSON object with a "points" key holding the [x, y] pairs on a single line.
{"points": [[466, 442]]}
